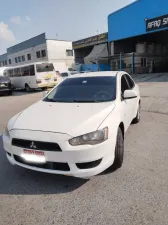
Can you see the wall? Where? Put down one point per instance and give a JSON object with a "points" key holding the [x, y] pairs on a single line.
{"points": [[3, 58], [130, 21], [31, 51], [57, 51], [94, 67], [38, 40]]}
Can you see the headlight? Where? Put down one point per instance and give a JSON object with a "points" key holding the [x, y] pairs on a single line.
{"points": [[92, 138], [6, 133]]}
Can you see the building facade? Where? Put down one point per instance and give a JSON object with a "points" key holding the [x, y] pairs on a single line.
{"points": [[138, 37], [39, 49], [89, 52]]}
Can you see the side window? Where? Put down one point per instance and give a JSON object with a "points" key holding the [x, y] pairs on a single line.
{"points": [[10, 73], [32, 72], [15, 73], [25, 71], [124, 84], [130, 81]]}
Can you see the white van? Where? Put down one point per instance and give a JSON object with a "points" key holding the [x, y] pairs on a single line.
{"points": [[32, 76]]}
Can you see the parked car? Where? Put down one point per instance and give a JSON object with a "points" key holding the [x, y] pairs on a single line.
{"points": [[69, 73], [63, 75], [5, 85], [78, 128]]}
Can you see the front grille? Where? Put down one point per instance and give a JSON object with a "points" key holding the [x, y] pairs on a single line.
{"points": [[88, 165], [36, 145], [47, 165]]}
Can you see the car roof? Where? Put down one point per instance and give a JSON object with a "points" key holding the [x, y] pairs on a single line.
{"points": [[96, 74]]}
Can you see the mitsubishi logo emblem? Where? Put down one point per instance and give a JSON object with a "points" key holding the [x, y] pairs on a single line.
{"points": [[33, 145]]}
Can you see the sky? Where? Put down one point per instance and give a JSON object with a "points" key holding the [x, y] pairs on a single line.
{"points": [[59, 19]]}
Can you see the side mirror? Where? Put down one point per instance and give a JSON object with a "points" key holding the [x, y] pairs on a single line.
{"points": [[129, 94], [45, 93]]}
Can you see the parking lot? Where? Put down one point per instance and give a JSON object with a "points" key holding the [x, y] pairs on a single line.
{"points": [[136, 194]]}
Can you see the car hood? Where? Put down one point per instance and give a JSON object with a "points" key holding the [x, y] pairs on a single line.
{"points": [[70, 118]]}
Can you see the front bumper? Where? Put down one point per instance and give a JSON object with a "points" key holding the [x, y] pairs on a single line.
{"points": [[5, 90], [73, 156]]}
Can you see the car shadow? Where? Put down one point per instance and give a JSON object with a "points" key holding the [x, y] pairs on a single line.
{"points": [[15, 180]]}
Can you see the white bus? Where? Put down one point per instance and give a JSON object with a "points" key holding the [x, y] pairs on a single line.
{"points": [[32, 76], [2, 69]]}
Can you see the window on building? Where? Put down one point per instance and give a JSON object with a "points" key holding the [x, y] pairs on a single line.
{"points": [[16, 60], [0, 64], [6, 63], [43, 53], [69, 52], [3, 63], [19, 59], [38, 54], [143, 62], [23, 58], [32, 71], [28, 56], [10, 61]]}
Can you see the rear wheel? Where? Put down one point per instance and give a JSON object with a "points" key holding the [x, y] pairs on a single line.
{"points": [[27, 88], [119, 150], [44, 88]]}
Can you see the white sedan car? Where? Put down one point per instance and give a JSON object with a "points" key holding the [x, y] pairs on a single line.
{"points": [[78, 128]]}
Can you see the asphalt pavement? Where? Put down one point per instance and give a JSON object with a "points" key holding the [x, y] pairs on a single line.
{"points": [[133, 195]]}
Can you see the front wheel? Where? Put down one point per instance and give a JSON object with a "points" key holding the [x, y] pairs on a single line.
{"points": [[119, 150], [27, 88], [137, 118], [44, 88], [10, 92]]}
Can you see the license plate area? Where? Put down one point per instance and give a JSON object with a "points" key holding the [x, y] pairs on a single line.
{"points": [[33, 156]]}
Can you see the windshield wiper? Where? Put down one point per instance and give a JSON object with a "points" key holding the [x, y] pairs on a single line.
{"points": [[80, 101]]}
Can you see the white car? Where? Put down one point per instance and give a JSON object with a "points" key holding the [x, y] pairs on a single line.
{"points": [[78, 128], [63, 75]]}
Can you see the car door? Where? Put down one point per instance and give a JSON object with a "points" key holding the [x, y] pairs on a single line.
{"points": [[134, 101], [126, 104]]}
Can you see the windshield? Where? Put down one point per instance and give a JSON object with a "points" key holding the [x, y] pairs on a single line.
{"points": [[44, 67], [4, 79], [64, 74], [84, 89]]}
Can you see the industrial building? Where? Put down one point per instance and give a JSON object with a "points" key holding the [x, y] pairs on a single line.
{"points": [[137, 40], [138, 37], [88, 52], [39, 49]]}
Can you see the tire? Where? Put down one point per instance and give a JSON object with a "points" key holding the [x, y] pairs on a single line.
{"points": [[44, 88], [27, 88], [137, 118], [119, 150], [10, 92]]}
